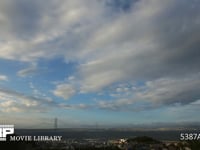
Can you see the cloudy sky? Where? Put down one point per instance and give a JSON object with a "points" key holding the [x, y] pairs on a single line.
{"points": [[106, 62]]}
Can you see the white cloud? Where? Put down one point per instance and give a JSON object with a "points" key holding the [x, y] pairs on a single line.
{"points": [[171, 91], [28, 71], [139, 46], [96, 81], [142, 44], [11, 101], [155, 94], [35, 38], [152, 41], [3, 78], [64, 90]]}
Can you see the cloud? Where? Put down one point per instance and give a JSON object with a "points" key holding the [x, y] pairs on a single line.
{"points": [[60, 29], [34, 30], [147, 43], [76, 106], [120, 5], [28, 71], [64, 91], [12, 101], [153, 41], [140, 45], [3, 78], [155, 94], [171, 91]]}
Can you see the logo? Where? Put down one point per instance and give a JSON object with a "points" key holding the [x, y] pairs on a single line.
{"points": [[5, 130]]}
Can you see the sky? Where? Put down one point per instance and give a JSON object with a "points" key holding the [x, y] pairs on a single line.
{"points": [[99, 62]]}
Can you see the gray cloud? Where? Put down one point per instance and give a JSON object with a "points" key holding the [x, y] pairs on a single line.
{"points": [[46, 30], [146, 44], [120, 5], [170, 91], [25, 17], [154, 41], [21, 18]]}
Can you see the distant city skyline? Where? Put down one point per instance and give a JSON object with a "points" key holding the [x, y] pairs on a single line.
{"points": [[112, 62]]}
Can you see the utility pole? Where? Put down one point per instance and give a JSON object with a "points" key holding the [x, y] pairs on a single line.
{"points": [[55, 123]]}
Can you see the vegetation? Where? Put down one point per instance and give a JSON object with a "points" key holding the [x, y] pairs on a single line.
{"points": [[195, 145], [143, 139]]}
